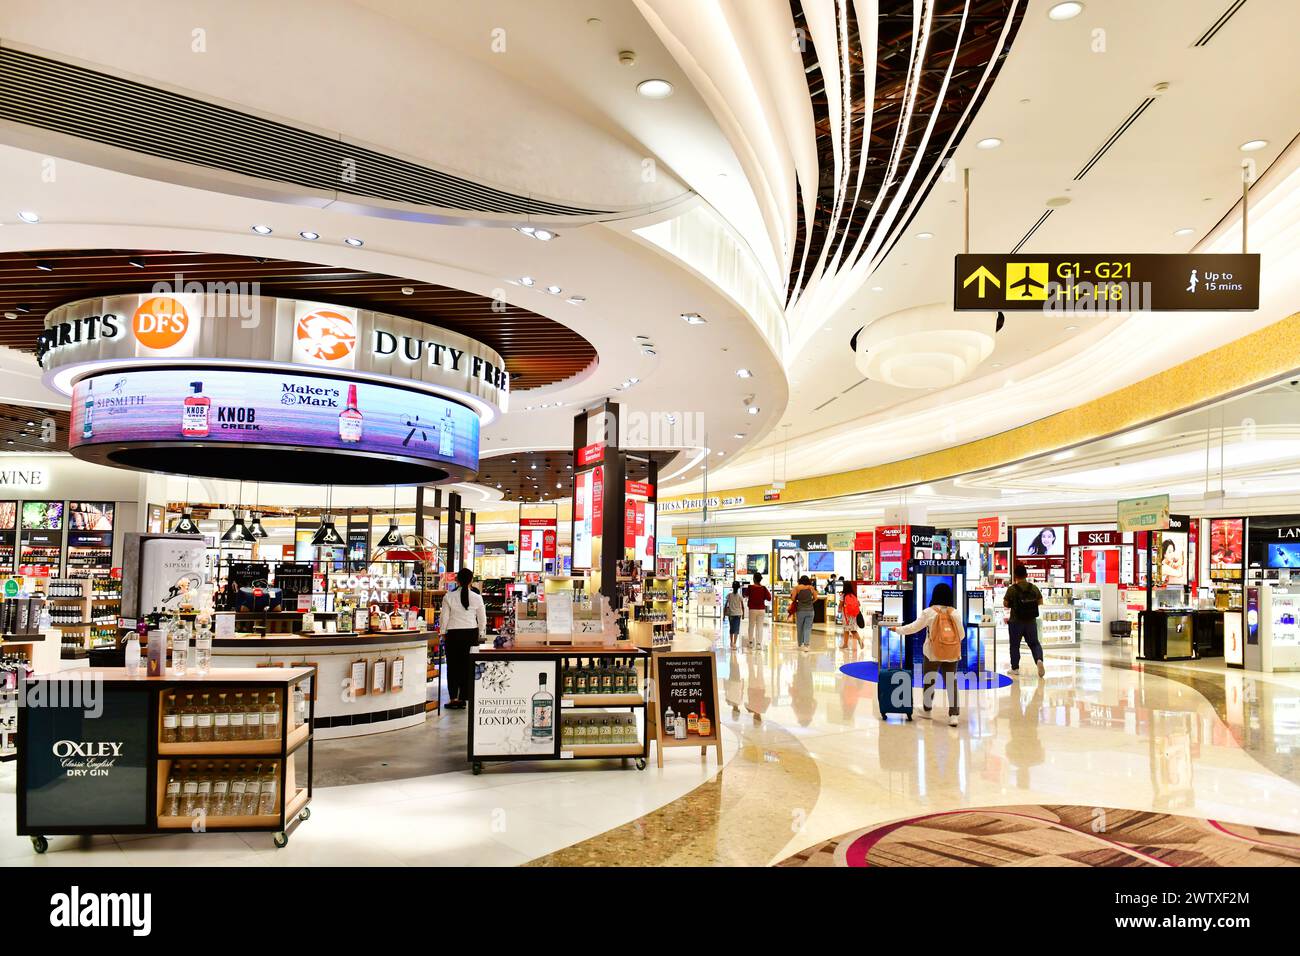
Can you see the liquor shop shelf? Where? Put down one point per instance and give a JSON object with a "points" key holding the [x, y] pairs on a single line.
{"points": [[602, 700]]}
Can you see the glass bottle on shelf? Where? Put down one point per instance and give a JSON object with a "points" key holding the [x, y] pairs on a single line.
{"points": [[566, 678], [202, 648], [187, 720], [237, 723], [189, 791], [606, 677], [204, 801], [220, 805], [299, 705], [253, 718], [252, 790], [238, 789], [203, 720], [180, 641], [171, 721], [271, 716], [172, 804], [266, 792], [580, 678], [221, 718]]}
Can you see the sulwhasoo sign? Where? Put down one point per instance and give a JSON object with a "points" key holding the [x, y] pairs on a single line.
{"points": [[198, 328]]}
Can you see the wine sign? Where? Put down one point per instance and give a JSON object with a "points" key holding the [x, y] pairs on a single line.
{"points": [[684, 702], [513, 708]]}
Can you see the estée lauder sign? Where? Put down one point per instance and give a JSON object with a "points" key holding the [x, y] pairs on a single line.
{"points": [[228, 327]]}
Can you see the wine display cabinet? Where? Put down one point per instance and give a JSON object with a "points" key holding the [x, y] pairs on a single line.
{"points": [[101, 752], [575, 703]]}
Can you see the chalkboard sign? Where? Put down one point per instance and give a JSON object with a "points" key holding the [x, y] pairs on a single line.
{"points": [[684, 707], [85, 761]]}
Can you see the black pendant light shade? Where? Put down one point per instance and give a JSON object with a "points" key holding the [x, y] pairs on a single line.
{"points": [[255, 527], [185, 524], [392, 537], [326, 535]]}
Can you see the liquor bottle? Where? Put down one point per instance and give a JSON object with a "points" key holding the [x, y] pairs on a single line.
{"points": [[580, 679], [543, 711], [350, 419], [567, 677], [692, 723], [189, 791], [299, 705], [620, 677], [266, 792], [703, 726], [238, 790], [187, 720], [172, 807], [88, 411], [252, 790], [271, 717], [679, 731], [203, 720], [221, 718], [670, 722], [446, 435], [194, 414], [237, 724], [253, 729], [171, 721], [220, 806], [606, 677]]}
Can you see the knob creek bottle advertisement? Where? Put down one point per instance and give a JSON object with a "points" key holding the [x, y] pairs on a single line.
{"points": [[221, 405]]}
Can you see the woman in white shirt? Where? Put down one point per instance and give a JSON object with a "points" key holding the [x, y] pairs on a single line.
{"points": [[942, 625], [463, 624]]}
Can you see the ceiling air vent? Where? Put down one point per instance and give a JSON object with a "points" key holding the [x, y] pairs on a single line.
{"points": [[62, 98], [1220, 23], [1114, 138]]}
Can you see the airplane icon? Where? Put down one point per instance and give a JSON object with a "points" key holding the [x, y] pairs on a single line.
{"points": [[1026, 280]]}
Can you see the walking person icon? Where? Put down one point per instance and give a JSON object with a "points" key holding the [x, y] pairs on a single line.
{"points": [[1191, 285]]}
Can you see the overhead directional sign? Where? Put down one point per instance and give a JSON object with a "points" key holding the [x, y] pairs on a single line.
{"points": [[1145, 282]]}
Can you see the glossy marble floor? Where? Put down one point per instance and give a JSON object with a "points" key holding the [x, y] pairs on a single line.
{"points": [[806, 760]]}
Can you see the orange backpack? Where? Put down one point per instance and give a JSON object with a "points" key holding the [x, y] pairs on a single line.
{"points": [[945, 638]]}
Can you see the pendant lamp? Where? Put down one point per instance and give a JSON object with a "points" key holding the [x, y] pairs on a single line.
{"points": [[185, 524], [326, 535]]}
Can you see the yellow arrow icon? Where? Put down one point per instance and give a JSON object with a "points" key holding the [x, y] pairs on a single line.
{"points": [[983, 275]]}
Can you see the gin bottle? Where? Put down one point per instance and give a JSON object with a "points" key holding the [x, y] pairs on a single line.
{"points": [[221, 718], [543, 711], [271, 717], [171, 721], [238, 789], [172, 805], [204, 801], [253, 718], [220, 805], [266, 792], [203, 720], [237, 718], [189, 792], [187, 720], [252, 790]]}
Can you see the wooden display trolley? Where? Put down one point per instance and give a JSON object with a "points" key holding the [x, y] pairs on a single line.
{"points": [[95, 757], [527, 704]]}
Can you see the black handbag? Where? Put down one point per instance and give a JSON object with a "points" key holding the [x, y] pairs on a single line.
{"points": [[862, 621]]}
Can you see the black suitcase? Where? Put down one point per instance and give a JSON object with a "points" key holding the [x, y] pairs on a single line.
{"points": [[894, 688]]}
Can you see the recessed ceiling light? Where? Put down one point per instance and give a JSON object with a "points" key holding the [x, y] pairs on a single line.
{"points": [[1251, 145], [721, 454], [309, 235], [753, 409], [527, 280], [1065, 11], [1184, 231], [1056, 202], [997, 364], [991, 142], [353, 241], [877, 288], [655, 89], [1072, 328], [554, 289], [135, 262], [262, 229], [693, 318], [526, 230], [30, 424], [45, 266], [26, 215], [744, 373], [11, 315], [925, 235], [576, 299], [543, 234], [647, 350], [738, 435], [408, 290]]}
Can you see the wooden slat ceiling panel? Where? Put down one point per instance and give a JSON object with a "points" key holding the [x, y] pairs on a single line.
{"points": [[23, 429], [537, 350], [521, 482]]}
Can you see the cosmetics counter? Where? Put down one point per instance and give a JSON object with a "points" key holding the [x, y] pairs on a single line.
{"points": [[229, 751]]}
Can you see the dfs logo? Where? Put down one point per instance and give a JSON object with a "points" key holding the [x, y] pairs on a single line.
{"points": [[160, 322], [324, 337]]}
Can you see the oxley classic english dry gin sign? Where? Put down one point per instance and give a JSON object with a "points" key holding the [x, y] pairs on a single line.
{"points": [[514, 708]]}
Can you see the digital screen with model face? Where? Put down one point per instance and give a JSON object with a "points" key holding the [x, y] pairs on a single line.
{"points": [[1283, 555], [1041, 542], [269, 408]]}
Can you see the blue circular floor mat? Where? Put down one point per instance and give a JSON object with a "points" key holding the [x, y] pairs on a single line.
{"points": [[973, 680]]}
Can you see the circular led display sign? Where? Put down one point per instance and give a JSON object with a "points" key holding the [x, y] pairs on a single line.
{"points": [[264, 425]]}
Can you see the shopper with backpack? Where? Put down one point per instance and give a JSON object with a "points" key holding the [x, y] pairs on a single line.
{"points": [[1023, 599], [803, 603], [735, 611], [942, 648]]}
